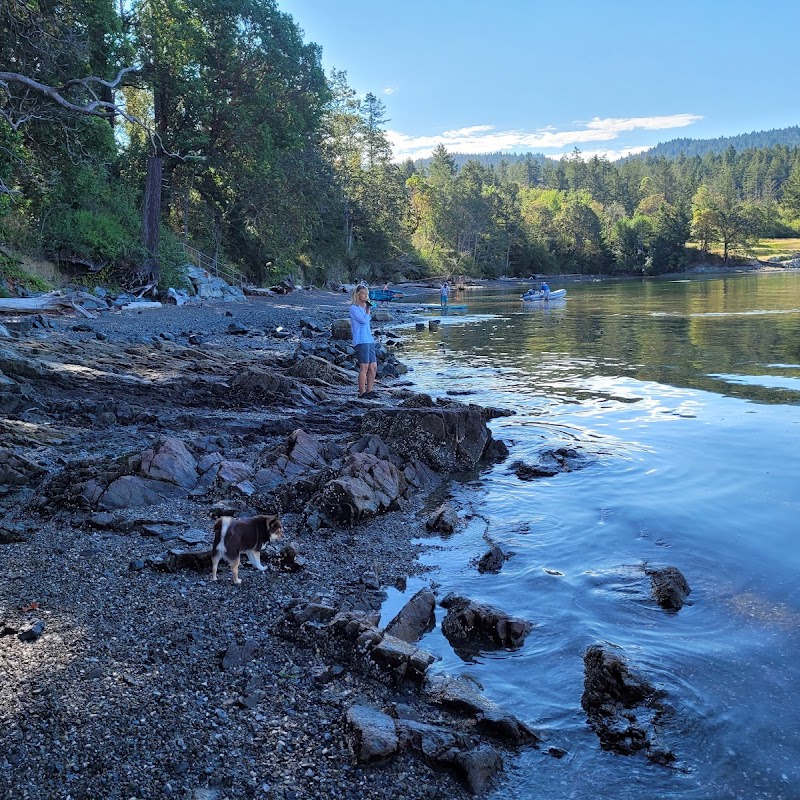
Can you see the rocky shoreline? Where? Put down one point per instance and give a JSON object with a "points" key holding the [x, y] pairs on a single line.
{"points": [[124, 671]]}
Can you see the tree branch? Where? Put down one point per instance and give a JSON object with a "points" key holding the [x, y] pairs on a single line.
{"points": [[94, 108]]}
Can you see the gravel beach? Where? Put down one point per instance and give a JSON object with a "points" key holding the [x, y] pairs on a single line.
{"points": [[121, 680]]}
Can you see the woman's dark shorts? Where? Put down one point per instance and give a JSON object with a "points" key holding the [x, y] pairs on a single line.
{"points": [[366, 353]]}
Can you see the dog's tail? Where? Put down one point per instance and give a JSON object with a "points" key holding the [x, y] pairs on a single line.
{"points": [[220, 526]]}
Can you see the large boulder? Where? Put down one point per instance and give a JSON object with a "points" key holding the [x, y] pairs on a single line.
{"points": [[300, 455], [478, 767], [415, 618], [669, 586], [341, 329], [209, 287], [374, 737], [447, 439], [471, 627], [366, 486], [169, 461], [444, 519], [612, 692]]}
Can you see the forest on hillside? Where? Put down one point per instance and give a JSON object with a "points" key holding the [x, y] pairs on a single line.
{"points": [[789, 137], [128, 131]]}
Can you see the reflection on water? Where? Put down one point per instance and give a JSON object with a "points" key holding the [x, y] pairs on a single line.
{"points": [[684, 397]]}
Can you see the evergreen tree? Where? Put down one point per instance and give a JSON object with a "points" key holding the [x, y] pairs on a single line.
{"points": [[791, 192], [667, 246]]}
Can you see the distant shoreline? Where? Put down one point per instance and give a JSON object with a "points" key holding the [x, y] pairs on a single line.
{"points": [[697, 269]]}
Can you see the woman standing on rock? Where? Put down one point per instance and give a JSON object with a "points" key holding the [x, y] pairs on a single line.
{"points": [[363, 343]]}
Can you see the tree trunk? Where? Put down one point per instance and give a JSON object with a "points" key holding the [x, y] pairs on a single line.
{"points": [[348, 230], [151, 218]]}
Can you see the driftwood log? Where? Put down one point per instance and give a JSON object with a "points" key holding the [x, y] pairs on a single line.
{"points": [[52, 301]]}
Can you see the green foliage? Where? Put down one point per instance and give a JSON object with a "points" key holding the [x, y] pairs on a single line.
{"points": [[172, 259], [791, 192], [667, 245], [276, 168], [95, 236], [13, 276], [745, 141], [629, 241]]}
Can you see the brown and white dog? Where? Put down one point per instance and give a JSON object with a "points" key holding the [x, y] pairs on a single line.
{"points": [[247, 535]]}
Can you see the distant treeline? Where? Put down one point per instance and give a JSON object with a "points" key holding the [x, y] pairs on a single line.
{"points": [[128, 130], [488, 159], [592, 215], [789, 137]]}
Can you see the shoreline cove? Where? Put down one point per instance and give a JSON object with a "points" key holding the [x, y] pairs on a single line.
{"points": [[125, 671]]}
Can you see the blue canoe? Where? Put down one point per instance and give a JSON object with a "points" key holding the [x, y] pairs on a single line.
{"points": [[384, 295], [532, 296]]}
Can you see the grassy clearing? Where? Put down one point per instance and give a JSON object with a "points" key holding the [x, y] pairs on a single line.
{"points": [[765, 249]]}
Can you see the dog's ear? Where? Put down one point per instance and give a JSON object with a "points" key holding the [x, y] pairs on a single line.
{"points": [[274, 528]]}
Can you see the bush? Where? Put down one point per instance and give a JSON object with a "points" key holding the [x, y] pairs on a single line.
{"points": [[172, 260], [95, 236], [12, 276]]}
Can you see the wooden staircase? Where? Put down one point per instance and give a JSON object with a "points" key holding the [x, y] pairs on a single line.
{"points": [[215, 266]]}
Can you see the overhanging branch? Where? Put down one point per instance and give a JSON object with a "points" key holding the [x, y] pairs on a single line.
{"points": [[94, 108]]}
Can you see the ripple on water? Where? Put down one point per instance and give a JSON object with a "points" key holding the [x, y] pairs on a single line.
{"points": [[678, 472]]}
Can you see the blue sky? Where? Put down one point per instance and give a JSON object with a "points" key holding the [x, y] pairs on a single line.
{"points": [[609, 77]]}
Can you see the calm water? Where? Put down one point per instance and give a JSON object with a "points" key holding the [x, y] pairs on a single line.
{"points": [[685, 396]]}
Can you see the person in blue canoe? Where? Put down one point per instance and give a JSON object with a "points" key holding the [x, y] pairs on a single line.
{"points": [[544, 290]]}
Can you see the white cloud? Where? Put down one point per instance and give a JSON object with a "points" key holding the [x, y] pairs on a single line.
{"points": [[389, 90], [466, 132], [486, 139], [646, 123]]}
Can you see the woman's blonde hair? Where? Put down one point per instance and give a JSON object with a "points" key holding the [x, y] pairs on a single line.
{"points": [[354, 293]]}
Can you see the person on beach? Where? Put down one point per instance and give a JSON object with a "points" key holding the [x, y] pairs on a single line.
{"points": [[544, 289], [363, 342], [444, 293]]}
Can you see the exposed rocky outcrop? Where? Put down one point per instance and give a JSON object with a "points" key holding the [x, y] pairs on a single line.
{"points": [[471, 627], [493, 560], [444, 519], [669, 587], [378, 736], [18, 470], [622, 707], [446, 439], [365, 486], [124, 436], [551, 463], [462, 696], [415, 618]]}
